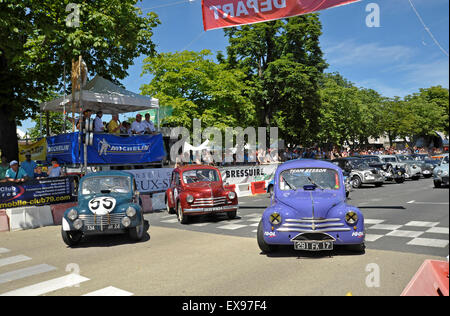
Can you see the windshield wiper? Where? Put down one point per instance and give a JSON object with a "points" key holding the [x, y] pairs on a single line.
{"points": [[312, 182], [289, 185]]}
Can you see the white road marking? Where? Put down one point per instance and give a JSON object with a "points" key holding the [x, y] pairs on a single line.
{"points": [[385, 227], [373, 221], [109, 291], [4, 250], [170, 221], [232, 226], [48, 286], [13, 260], [428, 242], [438, 230], [410, 202], [422, 224], [26, 272], [404, 233], [372, 237], [201, 224], [428, 203]]}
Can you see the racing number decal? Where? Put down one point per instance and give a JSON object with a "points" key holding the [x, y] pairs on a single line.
{"points": [[102, 205]]}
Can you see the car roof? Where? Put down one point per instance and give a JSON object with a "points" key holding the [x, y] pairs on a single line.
{"points": [[194, 167], [307, 163]]}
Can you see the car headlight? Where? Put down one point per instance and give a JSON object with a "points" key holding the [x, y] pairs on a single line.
{"points": [[351, 218], [77, 224], [189, 199], [126, 221], [275, 218], [231, 195], [440, 172], [72, 215], [131, 212]]}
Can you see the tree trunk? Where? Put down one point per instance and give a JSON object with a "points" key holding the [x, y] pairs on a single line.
{"points": [[8, 135]]}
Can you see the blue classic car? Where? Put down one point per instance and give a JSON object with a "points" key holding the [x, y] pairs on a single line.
{"points": [[441, 173], [108, 203], [308, 210]]}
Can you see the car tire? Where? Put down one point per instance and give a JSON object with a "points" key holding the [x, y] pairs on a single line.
{"points": [[182, 218], [270, 191], [356, 182], [437, 184], [265, 248], [400, 180], [71, 239], [137, 233], [232, 214], [415, 178], [378, 184], [427, 176], [169, 209]]}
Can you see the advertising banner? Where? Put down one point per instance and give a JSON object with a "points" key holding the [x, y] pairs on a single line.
{"points": [[64, 148], [110, 149], [229, 13], [248, 174], [152, 180], [37, 192], [38, 150]]}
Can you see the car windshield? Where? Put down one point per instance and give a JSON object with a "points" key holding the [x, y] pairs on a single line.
{"points": [[359, 164], [404, 158], [372, 159], [200, 175], [389, 159], [296, 179], [105, 184]]}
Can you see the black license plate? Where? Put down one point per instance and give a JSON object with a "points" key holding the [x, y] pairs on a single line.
{"points": [[313, 245]]}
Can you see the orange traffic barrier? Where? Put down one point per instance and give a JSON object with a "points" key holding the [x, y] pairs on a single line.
{"points": [[430, 280], [259, 187]]}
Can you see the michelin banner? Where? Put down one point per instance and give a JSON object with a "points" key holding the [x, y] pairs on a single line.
{"points": [[110, 149], [64, 148]]}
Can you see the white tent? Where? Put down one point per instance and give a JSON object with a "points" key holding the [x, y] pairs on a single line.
{"points": [[100, 94]]}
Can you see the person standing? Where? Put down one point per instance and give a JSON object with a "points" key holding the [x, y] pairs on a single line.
{"points": [[148, 124], [98, 123], [138, 128], [29, 165], [16, 173], [114, 125], [55, 170], [3, 169]]}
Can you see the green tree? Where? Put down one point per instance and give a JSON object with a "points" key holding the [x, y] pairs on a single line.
{"points": [[36, 44], [197, 87], [283, 63]]}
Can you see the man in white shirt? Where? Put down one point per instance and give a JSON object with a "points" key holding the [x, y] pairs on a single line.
{"points": [[149, 126], [138, 127], [98, 123]]}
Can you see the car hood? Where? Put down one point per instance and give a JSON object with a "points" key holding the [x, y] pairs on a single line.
{"points": [[200, 187], [302, 202], [120, 200]]}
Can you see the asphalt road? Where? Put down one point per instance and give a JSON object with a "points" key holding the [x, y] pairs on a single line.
{"points": [[206, 259]]}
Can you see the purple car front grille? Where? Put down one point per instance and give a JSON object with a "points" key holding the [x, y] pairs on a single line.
{"points": [[319, 225]]}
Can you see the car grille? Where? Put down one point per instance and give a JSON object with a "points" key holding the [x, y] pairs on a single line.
{"points": [[318, 225], [97, 220], [209, 202]]}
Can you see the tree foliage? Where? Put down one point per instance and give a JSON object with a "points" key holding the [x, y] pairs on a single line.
{"points": [[36, 43]]}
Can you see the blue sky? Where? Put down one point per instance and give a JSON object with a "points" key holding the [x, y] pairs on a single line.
{"points": [[396, 59]]}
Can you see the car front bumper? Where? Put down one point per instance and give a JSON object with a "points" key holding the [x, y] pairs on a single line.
{"points": [[212, 209]]}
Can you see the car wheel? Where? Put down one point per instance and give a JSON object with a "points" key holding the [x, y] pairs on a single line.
{"points": [[169, 209], [427, 176], [356, 182], [437, 184], [182, 218], [71, 239], [137, 233], [415, 178], [265, 248], [378, 184], [232, 214], [399, 180], [270, 191]]}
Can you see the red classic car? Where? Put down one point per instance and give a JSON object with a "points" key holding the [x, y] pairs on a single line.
{"points": [[198, 190]]}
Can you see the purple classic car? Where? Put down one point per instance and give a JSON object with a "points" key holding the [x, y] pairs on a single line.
{"points": [[308, 210]]}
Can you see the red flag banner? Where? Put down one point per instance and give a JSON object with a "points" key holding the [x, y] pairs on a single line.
{"points": [[228, 13]]}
